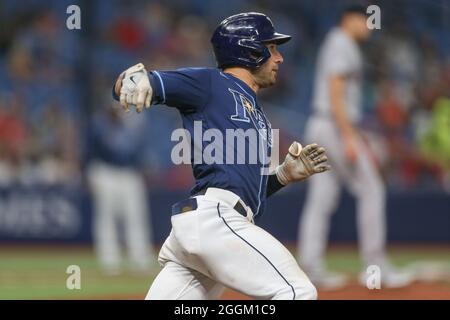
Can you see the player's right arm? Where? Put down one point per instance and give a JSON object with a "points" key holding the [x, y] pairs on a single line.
{"points": [[186, 89], [299, 164], [337, 84]]}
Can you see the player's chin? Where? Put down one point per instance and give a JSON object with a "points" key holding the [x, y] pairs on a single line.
{"points": [[274, 76], [267, 84], [273, 80], [268, 81]]}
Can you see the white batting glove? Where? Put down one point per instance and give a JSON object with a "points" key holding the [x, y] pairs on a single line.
{"points": [[136, 89], [300, 163]]}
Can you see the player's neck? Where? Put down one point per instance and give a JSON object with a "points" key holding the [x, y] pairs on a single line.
{"points": [[243, 75], [347, 30]]}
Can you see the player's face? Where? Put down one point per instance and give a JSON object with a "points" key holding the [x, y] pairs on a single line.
{"points": [[362, 32], [266, 75]]}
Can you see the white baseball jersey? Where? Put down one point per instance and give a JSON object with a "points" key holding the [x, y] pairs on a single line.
{"points": [[339, 54]]}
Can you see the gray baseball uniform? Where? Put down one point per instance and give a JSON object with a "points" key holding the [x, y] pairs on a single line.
{"points": [[340, 55]]}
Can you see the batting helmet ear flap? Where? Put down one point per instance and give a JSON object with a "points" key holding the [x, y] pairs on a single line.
{"points": [[255, 50]]}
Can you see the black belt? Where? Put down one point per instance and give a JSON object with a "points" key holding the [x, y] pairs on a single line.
{"points": [[190, 204]]}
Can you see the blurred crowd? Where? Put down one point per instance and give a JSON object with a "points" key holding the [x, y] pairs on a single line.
{"points": [[54, 81], [39, 140]]}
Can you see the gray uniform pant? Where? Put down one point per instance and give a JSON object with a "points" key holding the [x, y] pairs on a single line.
{"points": [[363, 181]]}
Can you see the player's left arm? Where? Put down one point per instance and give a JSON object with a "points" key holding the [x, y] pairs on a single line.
{"points": [[187, 89], [299, 164]]}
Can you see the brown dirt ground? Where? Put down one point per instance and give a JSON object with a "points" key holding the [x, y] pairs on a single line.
{"points": [[417, 291]]}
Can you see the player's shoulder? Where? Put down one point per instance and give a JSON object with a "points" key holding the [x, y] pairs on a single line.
{"points": [[201, 75], [197, 71], [338, 38]]}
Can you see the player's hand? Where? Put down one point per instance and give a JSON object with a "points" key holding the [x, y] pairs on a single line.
{"points": [[300, 163], [136, 89]]}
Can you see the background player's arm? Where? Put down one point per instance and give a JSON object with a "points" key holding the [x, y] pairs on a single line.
{"points": [[348, 132]]}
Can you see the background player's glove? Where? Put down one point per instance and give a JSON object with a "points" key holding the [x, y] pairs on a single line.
{"points": [[136, 89], [300, 163]]}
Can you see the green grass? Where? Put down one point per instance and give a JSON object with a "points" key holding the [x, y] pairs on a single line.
{"points": [[347, 260], [40, 273]]}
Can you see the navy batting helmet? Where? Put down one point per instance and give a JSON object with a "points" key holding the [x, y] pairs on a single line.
{"points": [[240, 40]]}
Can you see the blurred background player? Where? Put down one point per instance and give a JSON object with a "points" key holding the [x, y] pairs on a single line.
{"points": [[334, 124], [119, 191]]}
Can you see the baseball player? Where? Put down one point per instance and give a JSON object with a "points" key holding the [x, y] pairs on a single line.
{"points": [[214, 241], [119, 191], [334, 124]]}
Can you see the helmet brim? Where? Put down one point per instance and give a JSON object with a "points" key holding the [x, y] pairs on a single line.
{"points": [[278, 38]]}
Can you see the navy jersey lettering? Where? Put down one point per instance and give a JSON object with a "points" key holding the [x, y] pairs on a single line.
{"points": [[220, 101]]}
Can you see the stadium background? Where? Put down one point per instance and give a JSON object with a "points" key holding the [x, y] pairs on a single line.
{"points": [[53, 81]]}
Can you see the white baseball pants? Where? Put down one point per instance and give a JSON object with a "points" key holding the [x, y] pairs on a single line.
{"points": [[215, 246], [120, 199]]}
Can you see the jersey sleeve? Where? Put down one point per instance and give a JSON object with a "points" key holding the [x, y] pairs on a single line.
{"points": [[186, 89]]}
